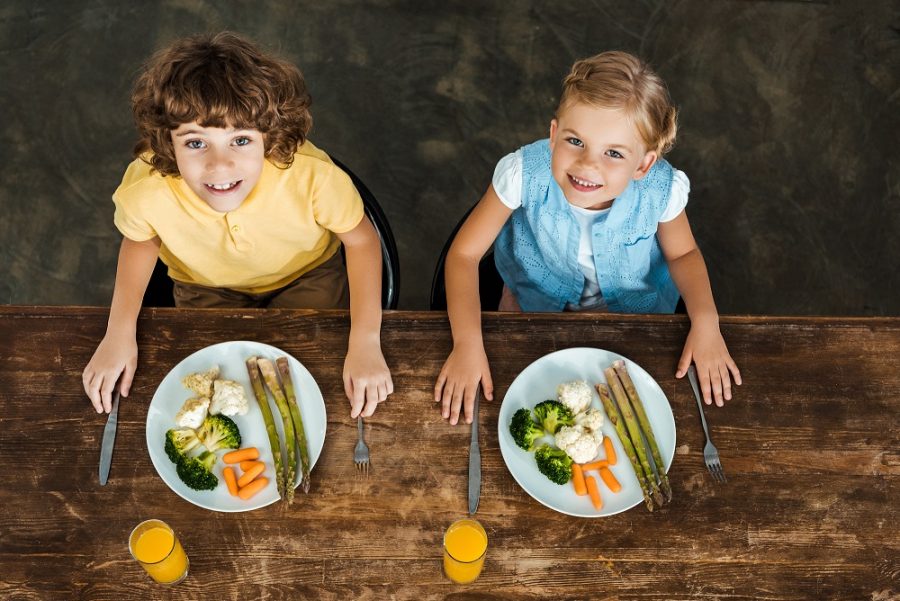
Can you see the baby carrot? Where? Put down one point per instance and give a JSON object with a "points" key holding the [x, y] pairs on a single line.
{"points": [[594, 465], [248, 476], [246, 465], [253, 488], [593, 491], [578, 480], [241, 455], [610, 450], [610, 480], [230, 480]]}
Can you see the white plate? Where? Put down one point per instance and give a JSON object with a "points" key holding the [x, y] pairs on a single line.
{"points": [[537, 383], [231, 357]]}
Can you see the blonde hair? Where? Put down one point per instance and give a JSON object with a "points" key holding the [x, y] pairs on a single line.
{"points": [[619, 80], [218, 80]]}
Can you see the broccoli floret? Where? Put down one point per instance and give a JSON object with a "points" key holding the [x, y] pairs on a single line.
{"points": [[196, 472], [524, 430], [219, 432], [553, 415], [554, 463], [179, 442]]}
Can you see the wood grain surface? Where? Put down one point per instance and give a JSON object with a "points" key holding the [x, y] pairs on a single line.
{"points": [[810, 445]]}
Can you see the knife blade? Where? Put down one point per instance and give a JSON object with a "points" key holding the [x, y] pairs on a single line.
{"points": [[474, 459], [109, 438]]}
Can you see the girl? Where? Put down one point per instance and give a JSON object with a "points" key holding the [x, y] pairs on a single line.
{"points": [[227, 191], [591, 219]]}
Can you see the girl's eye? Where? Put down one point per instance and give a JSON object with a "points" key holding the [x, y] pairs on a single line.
{"points": [[194, 144], [615, 154], [575, 142], [242, 141]]}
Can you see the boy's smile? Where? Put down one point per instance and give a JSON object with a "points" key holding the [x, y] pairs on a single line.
{"points": [[220, 165], [595, 153]]}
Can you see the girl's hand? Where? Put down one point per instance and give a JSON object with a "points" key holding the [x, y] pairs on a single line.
{"points": [[715, 367], [458, 381], [367, 379], [116, 355]]}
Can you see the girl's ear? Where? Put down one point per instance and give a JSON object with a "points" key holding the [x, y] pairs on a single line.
{"points": [[646, 163], [554, 125]]}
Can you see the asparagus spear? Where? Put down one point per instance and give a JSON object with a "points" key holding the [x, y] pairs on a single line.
{"points": [[267, 369], [284, 371], [616, 418], [638, 406], [634, 430], [274, 443]]}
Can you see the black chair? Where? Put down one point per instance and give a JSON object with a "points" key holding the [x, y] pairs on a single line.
{"points": [[160, 288], [490, 284]]}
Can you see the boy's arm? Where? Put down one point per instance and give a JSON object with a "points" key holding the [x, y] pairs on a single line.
{"points": [[117, 353], [467, 365], [367, 380], [704, 345]]}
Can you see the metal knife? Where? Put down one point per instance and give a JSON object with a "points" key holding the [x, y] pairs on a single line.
{"points": [[474, 459], [109, 438]]}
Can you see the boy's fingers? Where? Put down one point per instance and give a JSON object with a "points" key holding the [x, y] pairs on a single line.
{"points": [[127, 379], [726, 382], [487, 385], [456, 405], [716, 380], [438, 387], [106, 393], [469, 402], [446, 400], [705, 387], [735, 372]]}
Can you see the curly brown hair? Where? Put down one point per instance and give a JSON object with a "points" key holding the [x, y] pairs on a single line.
{"points": [[623, 81], [219, 80]]}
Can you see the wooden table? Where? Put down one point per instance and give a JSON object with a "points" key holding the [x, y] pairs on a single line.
{"points": [[809, 444]]}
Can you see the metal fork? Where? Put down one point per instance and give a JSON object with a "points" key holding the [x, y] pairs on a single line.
{"points": [[710, 453], [361, 451]]}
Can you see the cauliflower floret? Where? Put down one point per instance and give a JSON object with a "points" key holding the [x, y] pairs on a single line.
{"points": [[575, 395], [228, 398], [192, 413], [592, 421], [201, 384], [577, 443]]}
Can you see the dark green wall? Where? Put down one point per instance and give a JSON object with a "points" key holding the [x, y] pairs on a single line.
{"points": [[789, 123]]}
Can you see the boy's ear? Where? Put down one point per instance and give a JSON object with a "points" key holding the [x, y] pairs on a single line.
{"points": [[646, 163], [554, 125]]}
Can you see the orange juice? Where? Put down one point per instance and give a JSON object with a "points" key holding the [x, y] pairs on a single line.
{"points": [[465, 543], [158, 550]]}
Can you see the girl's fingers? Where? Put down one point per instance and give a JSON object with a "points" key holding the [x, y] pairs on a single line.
{"points": [[735, 372], [726, 381], [446, 399], [716, 382], [705, 387], [487, 385], [683, 364], [438, 387], [127, 379], [455, 407]]}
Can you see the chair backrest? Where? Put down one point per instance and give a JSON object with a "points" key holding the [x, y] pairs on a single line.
{"points": [[160, 288], [390, 269], [490, 284]]}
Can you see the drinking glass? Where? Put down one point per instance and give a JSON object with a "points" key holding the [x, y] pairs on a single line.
{"points": [[465, 545], [154, 545]]}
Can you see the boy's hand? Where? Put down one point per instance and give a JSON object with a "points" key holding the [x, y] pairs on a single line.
{"points": [[715, 367], [367, 379], [116, 355], [458, 381]]}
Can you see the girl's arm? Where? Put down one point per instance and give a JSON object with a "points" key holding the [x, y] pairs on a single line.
{"points": [[367, 379], [704, 344], [467, 364], [117, 353]]}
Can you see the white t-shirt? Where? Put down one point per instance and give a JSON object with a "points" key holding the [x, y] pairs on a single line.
{"points": [[507, 184]]}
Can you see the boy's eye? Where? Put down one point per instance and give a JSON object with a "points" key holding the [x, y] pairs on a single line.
{"points": [[194, 144], [242, 141], [575, 142], [615, 154]]}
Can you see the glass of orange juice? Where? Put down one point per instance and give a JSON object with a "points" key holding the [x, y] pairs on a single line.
{"points": [[465, 544], [154, 545]]}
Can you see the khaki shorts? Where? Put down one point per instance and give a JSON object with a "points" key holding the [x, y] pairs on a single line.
{"points": [[325, 287]]}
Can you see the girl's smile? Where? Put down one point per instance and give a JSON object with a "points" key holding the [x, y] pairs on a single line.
{"points": [[220, 165]]}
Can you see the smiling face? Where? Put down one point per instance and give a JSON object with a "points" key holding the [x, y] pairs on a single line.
{"points": [[596, 152], [220, 165]]}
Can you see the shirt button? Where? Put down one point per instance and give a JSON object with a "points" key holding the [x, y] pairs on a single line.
{"points": [[235, 228]]}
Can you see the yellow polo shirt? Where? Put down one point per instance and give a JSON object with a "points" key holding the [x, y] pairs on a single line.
{"points": [[284, 228]]}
